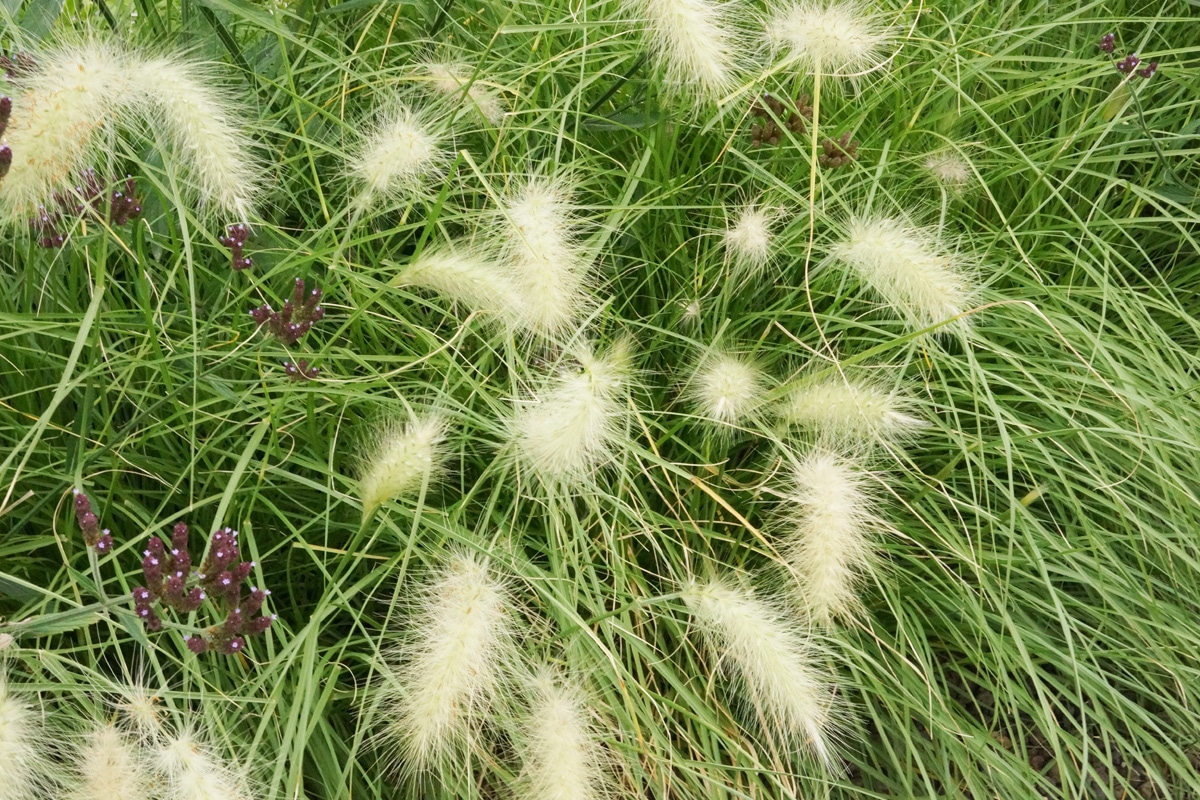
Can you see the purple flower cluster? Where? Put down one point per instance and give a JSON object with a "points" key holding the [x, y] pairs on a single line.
{"points": [[771, 110], [86, 198], [5, 151], [235, 239], [838, 152], [1128, 64], [168, 573], [300, 370], [297, 317], [90, 526]]}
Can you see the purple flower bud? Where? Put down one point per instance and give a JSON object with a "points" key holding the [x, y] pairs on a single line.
{"points": [[234, 645], [105, 542], [196, 644], [1107, 42], [1149, 70], [259, 625]]}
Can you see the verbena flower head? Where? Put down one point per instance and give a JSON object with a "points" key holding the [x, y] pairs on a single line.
{"points": [[193, 771], [950, 169], [108, 767], [23, 745], [749, 241], [575, 421], [850, 410], [830, 513], [399, 153], [776, 665], [401, 459], [443, 679], [692, 41], [910, 268], [726, 388], [560, 754], [843, 38], [471, 278], [540, 245], [449, 79]]}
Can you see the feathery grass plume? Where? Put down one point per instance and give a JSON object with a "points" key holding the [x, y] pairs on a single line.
{"points": [[138, 707], [71, 106], [574, 423], [850, 411], [23, 745], [77, 94], [749, 240], [692, 41], [829, 545], [107, 767], [200, 125], [774, 662], [725, 388], [193, 771], [402, 458], [471, 278], [844, 38], [399, 152], [561, 756], [541, 248], [908, 267], [950, 169], [444, 678], [449, 79]]}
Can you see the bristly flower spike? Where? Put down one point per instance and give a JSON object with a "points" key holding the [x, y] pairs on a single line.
{"points": [[399, 153], [842, 38], [23, 745], [756, 639], [910, 268], [446, 675], [401, 458], [693, 42], [830, 512]]}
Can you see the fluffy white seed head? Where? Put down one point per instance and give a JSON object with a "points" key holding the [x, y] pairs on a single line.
{"points": [[843, 38], [70, 107], [561, 756], [830, 517], [693, 42], [749, 240], [950, 169], [109, 768], [851, 411], [541, 247], [762, 646], [471, 279], [139, 711], [909, 268], [448, 79], [399, 153], [403, 458], [726, 388], [574, 422], [444, 679], [193, 771], [63, 115], [22, 749], [198, 123]]}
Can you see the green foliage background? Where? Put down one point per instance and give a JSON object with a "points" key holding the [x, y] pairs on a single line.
{"points": [[1038, 589]]}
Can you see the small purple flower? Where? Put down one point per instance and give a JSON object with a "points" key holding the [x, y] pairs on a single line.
{"points": [[298, 316], [1128, 64], [300, 370], [235, 239], [1148, 71], [1108, 42]]}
